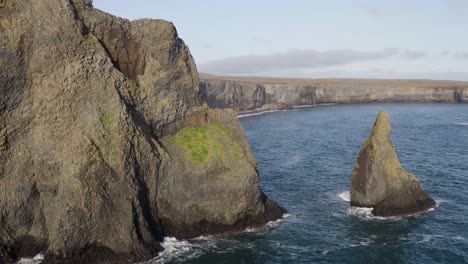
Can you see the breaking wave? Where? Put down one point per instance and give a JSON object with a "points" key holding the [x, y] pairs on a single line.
{"points": [[345, 196], [36, 260], [180, 251], [241, 115]]}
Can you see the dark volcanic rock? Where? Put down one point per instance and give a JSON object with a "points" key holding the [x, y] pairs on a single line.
{"points": [[89, 106], [7, 255], [380, 181]]}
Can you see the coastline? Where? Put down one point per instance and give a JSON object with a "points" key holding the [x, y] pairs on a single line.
{"points": [[247, 94]]}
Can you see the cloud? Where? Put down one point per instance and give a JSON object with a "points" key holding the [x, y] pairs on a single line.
{"points": [[295, 59], [370, 11], [462, 55], [413, 54], [445, 53], [207, 45], [455, 55], [261, 40], [371, 73]]}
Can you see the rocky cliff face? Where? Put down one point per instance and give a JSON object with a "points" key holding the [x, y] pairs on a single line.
{"points": [[380, 181], [243, 93], [105, 144], [238, 96]]}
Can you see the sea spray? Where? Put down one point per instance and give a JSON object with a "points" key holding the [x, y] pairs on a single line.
{"points": [[36, 260]]}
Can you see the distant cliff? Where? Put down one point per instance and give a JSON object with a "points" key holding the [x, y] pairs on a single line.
{"points": [[255, 93]]}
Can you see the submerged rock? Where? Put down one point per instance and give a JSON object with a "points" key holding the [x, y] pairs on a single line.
{"points": [[93, 116], [380, 181]]}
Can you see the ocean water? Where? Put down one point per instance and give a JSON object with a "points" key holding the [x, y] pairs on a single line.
{"points": [[305, 161]]}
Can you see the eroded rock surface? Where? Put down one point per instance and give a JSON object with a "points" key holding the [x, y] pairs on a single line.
{"points": [[88, 171], [214, 156], [380, 181]]}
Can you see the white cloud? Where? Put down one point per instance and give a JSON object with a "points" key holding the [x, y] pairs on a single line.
{"points": [[413, 54], [297, 59], [293, 59]]}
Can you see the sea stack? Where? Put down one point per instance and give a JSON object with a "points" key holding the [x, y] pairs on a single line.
{"points": [[380, 181]]}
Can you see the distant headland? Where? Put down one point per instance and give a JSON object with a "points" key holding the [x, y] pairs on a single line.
{"points": [[265, 93]]}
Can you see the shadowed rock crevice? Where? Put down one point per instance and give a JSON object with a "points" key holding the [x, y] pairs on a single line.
{"points": [[380, 181]]}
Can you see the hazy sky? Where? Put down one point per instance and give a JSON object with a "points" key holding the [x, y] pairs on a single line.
{"points": [[309, 38]]}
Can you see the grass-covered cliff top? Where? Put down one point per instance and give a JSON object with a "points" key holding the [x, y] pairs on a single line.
{"points": [[338, 82]]}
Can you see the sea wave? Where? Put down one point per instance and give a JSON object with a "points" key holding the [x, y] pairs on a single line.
{"points": [[312, 105], [36, 260], [267, 226], [183, 250], [241, 115], [366, 213], [364, 242], [345, 196], [261, 112], [463, 124], [178, 250]]}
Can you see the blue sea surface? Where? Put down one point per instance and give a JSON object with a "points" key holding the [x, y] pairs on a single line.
{"points": [[306, 157]]}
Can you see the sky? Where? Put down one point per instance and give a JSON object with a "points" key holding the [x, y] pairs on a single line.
{"points": [[417, 39]]}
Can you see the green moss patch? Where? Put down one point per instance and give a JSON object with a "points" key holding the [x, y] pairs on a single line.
{"points": [[6, 5], [213, 141], [5, 22], [106, 121]]}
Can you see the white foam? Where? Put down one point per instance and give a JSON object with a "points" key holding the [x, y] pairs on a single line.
{"points": [[256, 113], [463, 124], [267, 226], [177, 250], [182, 250], [312, 105], [345, 196], [426, 238], [363, 243], [260, 113], [364, 212], [36, 260], [294, 160]]}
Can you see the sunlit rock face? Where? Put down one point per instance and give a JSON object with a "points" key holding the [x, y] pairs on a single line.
{"points": [[93, 162]]}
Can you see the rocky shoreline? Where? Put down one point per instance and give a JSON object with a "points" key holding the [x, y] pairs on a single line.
{"points": [[266, 94]]}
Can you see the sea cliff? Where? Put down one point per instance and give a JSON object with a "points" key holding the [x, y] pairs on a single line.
{"points": [[105, 142], [256, 93]]}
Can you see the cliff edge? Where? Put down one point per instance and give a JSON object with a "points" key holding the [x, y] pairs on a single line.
{"points": [[258, 93], [105, 144]]}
